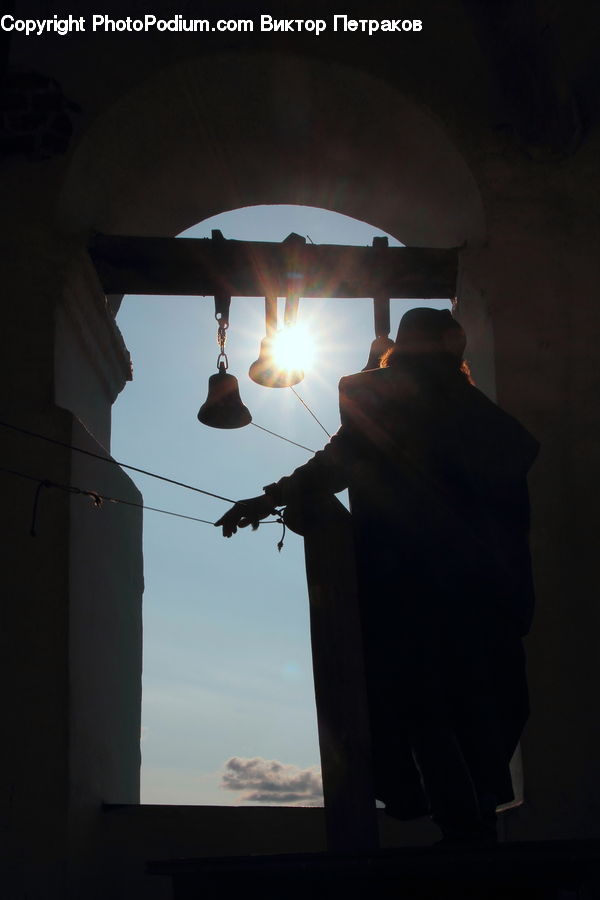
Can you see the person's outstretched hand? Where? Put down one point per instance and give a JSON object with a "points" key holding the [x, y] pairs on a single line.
{"points": [[244, 513]]}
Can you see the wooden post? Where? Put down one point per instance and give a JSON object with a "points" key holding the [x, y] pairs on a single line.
{"points": [[339, 676]]}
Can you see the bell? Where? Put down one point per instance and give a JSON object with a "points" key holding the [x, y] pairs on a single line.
{"points": [[379, 346], [265, 370], [223, 407]]}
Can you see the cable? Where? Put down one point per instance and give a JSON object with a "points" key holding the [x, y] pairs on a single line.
{"points": [[281, 437], [307, 407], [99, 498], [114, 462]]}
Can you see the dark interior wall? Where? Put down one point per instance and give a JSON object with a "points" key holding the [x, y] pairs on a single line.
{"points": [[539, 283]]}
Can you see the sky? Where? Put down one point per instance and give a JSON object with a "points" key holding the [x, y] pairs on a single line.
{"points": [[228, 714]]}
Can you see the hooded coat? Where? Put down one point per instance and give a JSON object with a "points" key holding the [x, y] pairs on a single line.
{"points": [[436, 474]]}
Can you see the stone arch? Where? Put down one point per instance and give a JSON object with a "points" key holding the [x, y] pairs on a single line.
{"points": [[198, 138], [208, 135]]}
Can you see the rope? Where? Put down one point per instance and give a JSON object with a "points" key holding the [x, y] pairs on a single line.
{"points": [[307, 407], [114, 462], [281, 521], [281, 437], [98, 499], [36, 501], [189, 487]]}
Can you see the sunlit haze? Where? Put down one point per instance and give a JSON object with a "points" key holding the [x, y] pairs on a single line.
{"points": [[294, 347]]}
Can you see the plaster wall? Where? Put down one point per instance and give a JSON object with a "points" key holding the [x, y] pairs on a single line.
{"points": [[105, 649], [91, 362], [71, 635], [33, 657], [34, 633]]}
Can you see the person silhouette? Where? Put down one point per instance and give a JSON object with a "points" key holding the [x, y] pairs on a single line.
{"points": [[436, 474]]}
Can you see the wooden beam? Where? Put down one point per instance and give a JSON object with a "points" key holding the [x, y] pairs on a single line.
{"points": [[201, 267]]}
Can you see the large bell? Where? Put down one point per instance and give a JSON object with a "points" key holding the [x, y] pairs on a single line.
{"points": [[379, 346], [223, 407], [265, 370]]}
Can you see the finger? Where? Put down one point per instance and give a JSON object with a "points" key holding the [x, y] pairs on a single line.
{"points": [[228, 523], [249, 520], [232, 513], [231, 517], [229, 528]]}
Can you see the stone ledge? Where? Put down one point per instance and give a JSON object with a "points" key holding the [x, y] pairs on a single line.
{"points": [[537, 869]]}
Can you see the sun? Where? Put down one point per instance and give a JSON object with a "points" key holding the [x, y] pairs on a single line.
{"points": [[294, 348]]}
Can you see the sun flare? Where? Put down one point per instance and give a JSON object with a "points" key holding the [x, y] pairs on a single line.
{"points": [[294, 348]]}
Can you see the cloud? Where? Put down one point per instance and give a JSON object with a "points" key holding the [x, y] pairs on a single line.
{"points": [[269, 781]]}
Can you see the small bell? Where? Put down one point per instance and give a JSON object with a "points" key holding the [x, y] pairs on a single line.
{"points": [[379, 346], [267, 372], [223, 407]]}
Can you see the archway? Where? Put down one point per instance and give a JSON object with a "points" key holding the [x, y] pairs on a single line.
{"points": [[227, 669], [194, 140], [244, 129]]}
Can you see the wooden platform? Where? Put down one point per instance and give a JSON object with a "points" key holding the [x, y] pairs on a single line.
{"points": [[546, 870]]}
